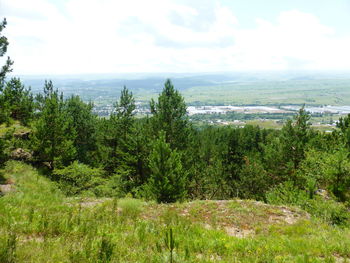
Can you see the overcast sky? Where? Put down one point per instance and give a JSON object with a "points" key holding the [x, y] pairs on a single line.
{"points": [[111, 36]]}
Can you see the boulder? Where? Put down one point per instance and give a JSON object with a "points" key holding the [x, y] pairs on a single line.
{"points": [[21, 154], [6, 188], [24, 135], [323, 193]]}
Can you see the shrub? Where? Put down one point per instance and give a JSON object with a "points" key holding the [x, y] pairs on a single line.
{"points": [[78, 178], [286, 193], [130, 207], [329, 170], [330, 211]]}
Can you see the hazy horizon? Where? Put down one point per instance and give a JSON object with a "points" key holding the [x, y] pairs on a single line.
{"points": [[269, 74], [74, 37]]}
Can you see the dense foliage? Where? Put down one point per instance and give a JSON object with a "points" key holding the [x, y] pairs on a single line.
{"points": [[163, 156]]}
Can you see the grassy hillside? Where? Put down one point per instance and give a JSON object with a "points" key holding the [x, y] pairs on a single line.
{"points": [[39, 224]]}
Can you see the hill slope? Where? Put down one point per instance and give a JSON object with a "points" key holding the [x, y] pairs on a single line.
{"points": [[39, 224]]}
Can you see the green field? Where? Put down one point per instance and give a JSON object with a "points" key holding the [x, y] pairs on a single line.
{"points": [[239, 89], [310, 92]]}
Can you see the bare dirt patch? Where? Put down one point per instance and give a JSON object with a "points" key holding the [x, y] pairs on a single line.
{"points": [[88, 202]]}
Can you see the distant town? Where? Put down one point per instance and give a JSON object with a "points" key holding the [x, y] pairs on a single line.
{"points": [[141, 109]]}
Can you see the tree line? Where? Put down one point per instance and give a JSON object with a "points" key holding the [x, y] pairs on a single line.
{"points": [[163, 157]]}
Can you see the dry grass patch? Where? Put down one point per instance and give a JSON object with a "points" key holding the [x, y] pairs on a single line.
{"points": [[238, 218]]}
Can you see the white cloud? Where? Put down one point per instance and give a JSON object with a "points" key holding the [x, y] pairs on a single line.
{"points": [[101, 36], [299, 36]]}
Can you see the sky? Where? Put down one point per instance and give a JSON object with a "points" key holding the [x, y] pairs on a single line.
{"points": [[120, 36]]}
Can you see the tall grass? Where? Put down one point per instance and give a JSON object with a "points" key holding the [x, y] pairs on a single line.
{"points": [[39, 224], [8, 251]]}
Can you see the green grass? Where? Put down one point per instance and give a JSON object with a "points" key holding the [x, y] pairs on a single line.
{"points": [[39, 224], [266, 124], [263, 92], [15, 127]]}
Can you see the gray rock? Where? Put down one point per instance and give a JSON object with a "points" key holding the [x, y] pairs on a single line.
{"points": [[21, 154]]}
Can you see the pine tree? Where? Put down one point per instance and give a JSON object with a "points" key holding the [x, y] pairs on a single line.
{"points": [[125, 111], [119, 137], [53, 136], [3, 49], [295, 136], [128, 144], [168, 179], [344, 125], [84, 122], [3, 71], [169, 115], [16, 101], [122, 144], [3, 156]]}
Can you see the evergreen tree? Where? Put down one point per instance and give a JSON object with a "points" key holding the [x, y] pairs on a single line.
{"points": [[254, 181], [3, 71], [16, 102], [85, 124], [3, 156], [169, 115], [274, 159], [3, 49], [235, 157], [124, 113], [295, 137], [53, 135], [344, 125], [131, 150], [119, 137], [168, 179], [206, 172], [142, 149], [124, 144]]}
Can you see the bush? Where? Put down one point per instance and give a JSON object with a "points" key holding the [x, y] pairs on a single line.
{"points": [[78, 178], [286, 193], [130, 207], [329, 170], [330, 211]]}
